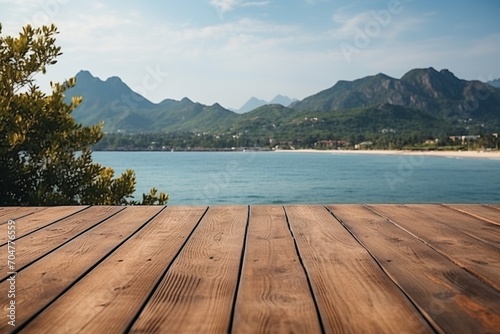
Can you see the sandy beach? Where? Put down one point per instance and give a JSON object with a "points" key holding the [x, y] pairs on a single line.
{"points": [[446, 154]]}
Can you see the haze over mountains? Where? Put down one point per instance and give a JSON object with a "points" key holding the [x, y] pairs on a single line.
{"points": [[495, 83], [254, 103], [420, 100]]}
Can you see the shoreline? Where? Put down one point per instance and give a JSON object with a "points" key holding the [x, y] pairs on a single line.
{"points": [[445, 154]]}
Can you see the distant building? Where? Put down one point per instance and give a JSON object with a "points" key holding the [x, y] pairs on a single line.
{"points": [[363, 145], [464, 139], [431, 141], [332, 143]]}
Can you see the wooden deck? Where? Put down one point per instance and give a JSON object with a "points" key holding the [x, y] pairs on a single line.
{"points": [[275, 269]]}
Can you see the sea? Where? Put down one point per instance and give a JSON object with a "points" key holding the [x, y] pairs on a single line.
{"points": [[219, 178]]}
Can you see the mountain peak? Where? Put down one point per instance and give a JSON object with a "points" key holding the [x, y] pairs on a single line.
{"points": [[420, 89], [383, 76], [186, 100], [114, 80], [251, 104], [283, 100], [494, 83], [254, 103], [433, 83], [419, 72], [84, 75]]}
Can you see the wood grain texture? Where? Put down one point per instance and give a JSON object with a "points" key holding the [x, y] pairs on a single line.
{"points": [[483, 212], [476, 228], [40, 283], [342, 271], [13, 213], [197, 293], [273, 295], [481, 259], [39, 219], [108, 298], [452, 299], [43, 241], [163, 269]]}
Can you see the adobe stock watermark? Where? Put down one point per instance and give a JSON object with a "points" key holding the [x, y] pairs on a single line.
{"points": [[11, 272], [49, 9], [223, 6], [378, 21], [406, 168], [481, 92], [151, 81]]}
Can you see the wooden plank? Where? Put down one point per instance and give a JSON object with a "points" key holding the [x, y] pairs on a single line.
{"points": [[483, 212], [14, 213], [32, 222], [111, 295], [476, 228], [197, 293], [483, 260], [353, 294], [273, 295], [452, 299], [41, 242], [43, 281]]}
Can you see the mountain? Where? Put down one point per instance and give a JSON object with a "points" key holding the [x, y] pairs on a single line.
{"points": [[440, 94], [285, 123], [251, 104], [495, 83], [254, 103], [121, 109], [285, 101], [423, 101]]}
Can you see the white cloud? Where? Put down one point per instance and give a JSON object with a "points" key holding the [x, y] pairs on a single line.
{"points": [[374, 24], [224, 6], [229, 60], [254, 3]]}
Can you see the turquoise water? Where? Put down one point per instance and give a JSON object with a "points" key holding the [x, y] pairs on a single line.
{"points": [[283, 178]]}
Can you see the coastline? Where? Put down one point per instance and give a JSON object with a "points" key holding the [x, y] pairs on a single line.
{"points": [[445, 154]]}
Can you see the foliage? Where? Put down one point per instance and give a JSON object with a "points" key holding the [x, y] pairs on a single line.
{"points": [[44, 154], [387, 126]]}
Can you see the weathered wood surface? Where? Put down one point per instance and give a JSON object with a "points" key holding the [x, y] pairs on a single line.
{"points": [[458, 247], [28, 223], [197, 293], [258, 269], [483, 212], [446, 294], [274, 295], [342, 271], [17, 213], [110, 296]]}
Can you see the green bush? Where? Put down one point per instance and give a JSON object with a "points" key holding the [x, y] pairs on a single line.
{"points": [[44, 154]]}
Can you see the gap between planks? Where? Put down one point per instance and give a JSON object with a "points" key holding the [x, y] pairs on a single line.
{"points": [[451, 298]]}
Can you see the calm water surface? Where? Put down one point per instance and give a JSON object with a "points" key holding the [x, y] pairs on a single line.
{"points": [[319, 178]]}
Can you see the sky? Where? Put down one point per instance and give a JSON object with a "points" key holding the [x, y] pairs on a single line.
{"points": [[227, 51]]}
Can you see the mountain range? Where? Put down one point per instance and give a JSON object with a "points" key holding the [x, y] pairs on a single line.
{"points": [[421, 100], [495, 83], [254, 103]]}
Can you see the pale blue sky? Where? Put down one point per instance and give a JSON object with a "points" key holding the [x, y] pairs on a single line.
{"points": [[229, 50]]}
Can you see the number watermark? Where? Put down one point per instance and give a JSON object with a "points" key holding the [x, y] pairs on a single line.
{"points": [[11, 267]]}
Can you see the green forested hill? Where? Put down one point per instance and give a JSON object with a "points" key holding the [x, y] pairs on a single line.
{"points": [[423, 103], [439, 94]]}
